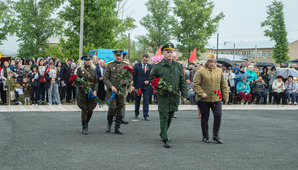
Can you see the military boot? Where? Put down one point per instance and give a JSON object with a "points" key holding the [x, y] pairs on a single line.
{"points": [[110, 121], [84, 127], [117, 125]]}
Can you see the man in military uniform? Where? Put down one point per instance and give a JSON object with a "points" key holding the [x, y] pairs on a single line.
{"points": [[88, 71], [168, 104], [111, 74]]}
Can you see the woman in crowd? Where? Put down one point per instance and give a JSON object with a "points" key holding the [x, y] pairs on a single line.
{"points": [[40, 62], [35, 83], [259, 90], [243, 90], [4, 74], [291, 87], [271, 79], [278, 87]]}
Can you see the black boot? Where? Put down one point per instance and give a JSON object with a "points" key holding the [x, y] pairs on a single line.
{"points": [[110, 121], [84, 127], [117, 125]]}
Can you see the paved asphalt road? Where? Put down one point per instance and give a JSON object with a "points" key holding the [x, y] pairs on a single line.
{"points": [[53, 140]]}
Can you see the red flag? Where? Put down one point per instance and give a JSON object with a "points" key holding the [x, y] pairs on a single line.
{"points": [[193, 56], [158, 51]]}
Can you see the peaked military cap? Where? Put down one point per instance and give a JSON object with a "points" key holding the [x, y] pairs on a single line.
{"points": [[168, 46], [118, 52], [86, 57], [124, 54]]}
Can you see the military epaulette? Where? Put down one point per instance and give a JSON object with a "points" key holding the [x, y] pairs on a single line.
{"points": [[110, 62], [125, 62]]}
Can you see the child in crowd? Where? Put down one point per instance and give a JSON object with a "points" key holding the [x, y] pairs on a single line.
{"points": [[43, 88], [11, 85], [20, 92], [35, 83], [52, 84], [27, 91], [12, 66]]}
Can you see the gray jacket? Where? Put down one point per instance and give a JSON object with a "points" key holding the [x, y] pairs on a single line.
{"points": [[291, 87], [258, 86]]}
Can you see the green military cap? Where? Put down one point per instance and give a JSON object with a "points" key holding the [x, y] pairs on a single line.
{"points": [[118, 52], [168, 46], [86, 57]]}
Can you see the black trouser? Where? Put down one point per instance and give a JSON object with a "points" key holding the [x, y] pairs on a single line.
{"points": [[42, 91], [35, 94], [259, 96], [278, 96], [73, 90], [66, 89], [3, 94], [205, 111]]}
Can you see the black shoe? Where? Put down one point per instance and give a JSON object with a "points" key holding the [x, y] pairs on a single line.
{"points": [[206, 140], [108, 128], [167, 143], [124, 122], [136, 117], [174, 117], [118, 131], [146, 118], [84, 127], [218, 140]]}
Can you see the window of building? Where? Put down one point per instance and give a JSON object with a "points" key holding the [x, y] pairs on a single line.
{"points": [[228, 52], [248, 54], [264, 54], [259, 53], [222, 52], [232, 52], [237, 52], [270, 54], [243, 52], [253, 53]]}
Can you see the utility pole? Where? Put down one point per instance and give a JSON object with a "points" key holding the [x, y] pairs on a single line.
{"points": [[81, 29], [234, 54], [217, 46], [129, 46]]}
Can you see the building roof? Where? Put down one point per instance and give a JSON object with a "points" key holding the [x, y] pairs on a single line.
{"points": [[244, 45], [231, 57]]}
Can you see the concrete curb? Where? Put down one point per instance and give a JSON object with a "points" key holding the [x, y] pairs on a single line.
{"points": [[75, 108]]}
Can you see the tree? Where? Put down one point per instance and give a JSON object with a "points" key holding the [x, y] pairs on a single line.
{"points": [[35, 24], [158, 24], [62, 51], [5, 20], [194, 25], [277, 31], [102, 25]]}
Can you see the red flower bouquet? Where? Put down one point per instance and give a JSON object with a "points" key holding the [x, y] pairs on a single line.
{"points": [[139, 92], [125, 76], [158, 85], [72, 78]]}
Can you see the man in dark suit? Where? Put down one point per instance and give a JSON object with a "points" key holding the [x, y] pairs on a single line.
{"points": [[141, 81], [101, 88], [66, 85]]}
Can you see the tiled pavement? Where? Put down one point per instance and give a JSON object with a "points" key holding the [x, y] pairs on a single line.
{"points": [[73, 108]]}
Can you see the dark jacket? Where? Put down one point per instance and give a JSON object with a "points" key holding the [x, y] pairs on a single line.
{"points": [[36, 77], [139, 76], [258, 86], [65, 73], [21, 73]]}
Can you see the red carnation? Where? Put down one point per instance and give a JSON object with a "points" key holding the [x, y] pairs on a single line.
{"points": [[214, 92], [129, 69], [220, 96], [72, 78], [155, 83], [139, 92]]}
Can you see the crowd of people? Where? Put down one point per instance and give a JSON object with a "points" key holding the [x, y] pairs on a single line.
{"points": [[31, 82], [261, 85]]}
